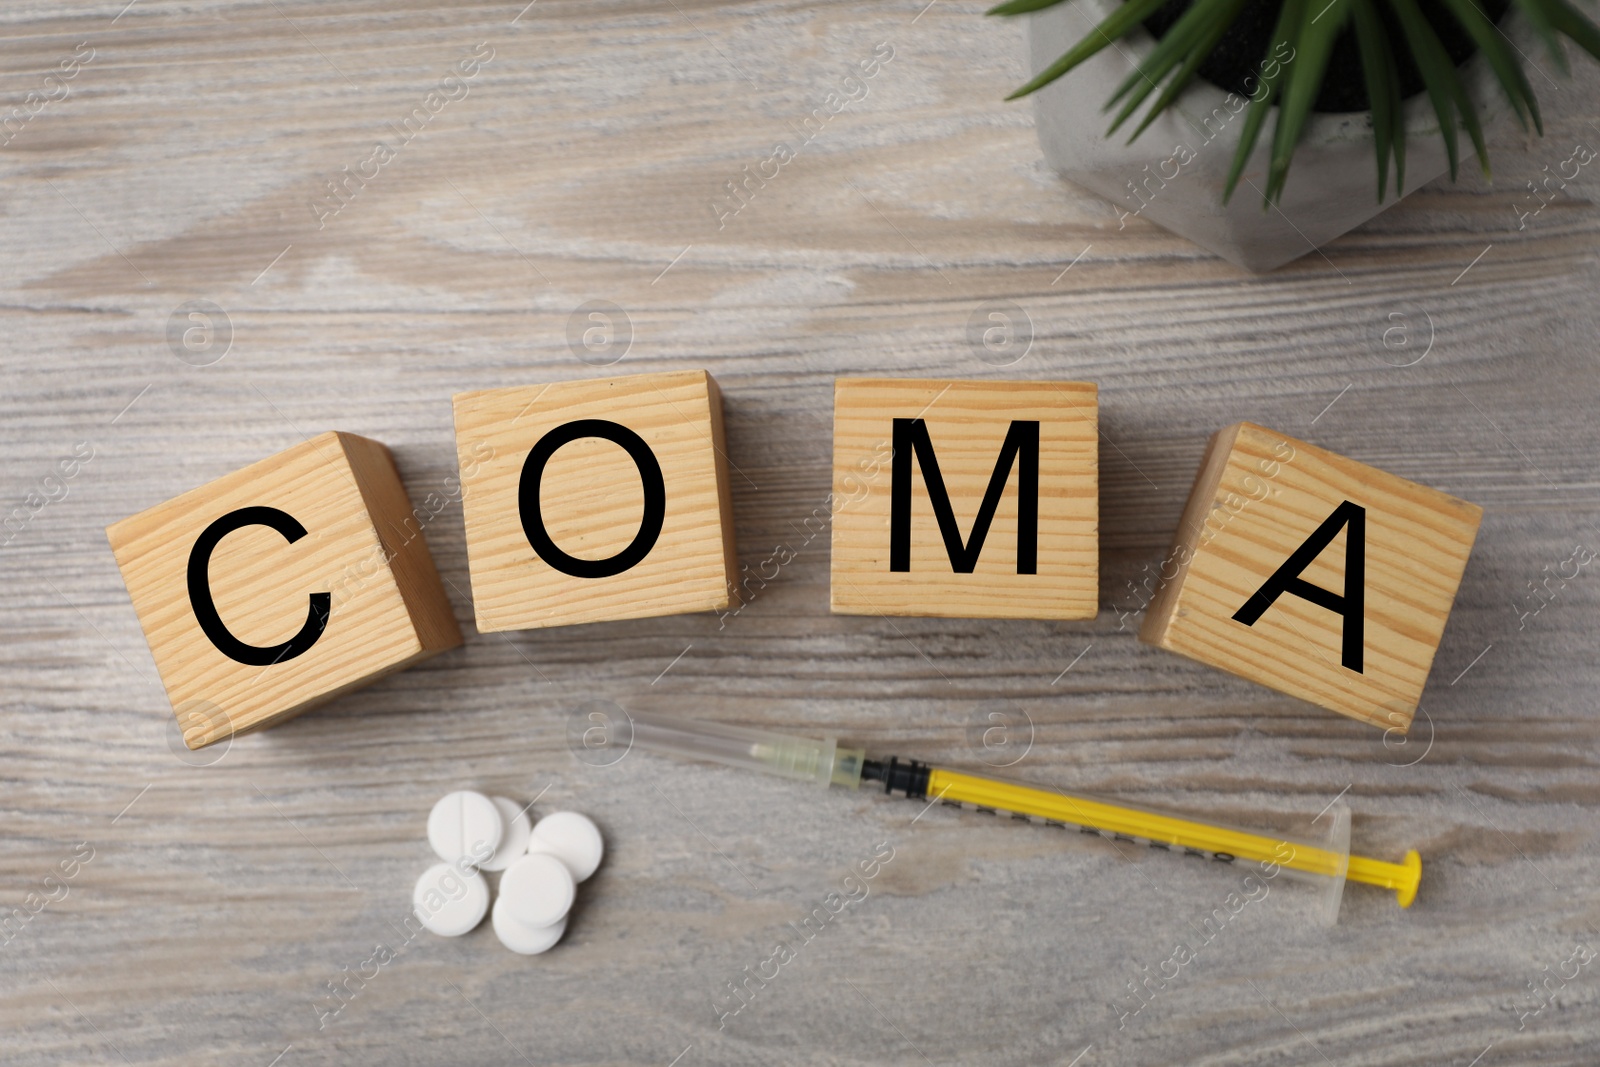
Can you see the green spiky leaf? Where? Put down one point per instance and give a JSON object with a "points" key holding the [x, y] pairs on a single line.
{"points": [[1377, 64], [1438, 75], [1313, 44], [1539, 19], [1180, 81], [1170, 50], [1219, 15], [1492, 43], [1022, 7], [1575, 24], [1113, 26], [1272, 72]]}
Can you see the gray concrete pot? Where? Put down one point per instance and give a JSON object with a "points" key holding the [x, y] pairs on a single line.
{"points": [[1174, 173]]}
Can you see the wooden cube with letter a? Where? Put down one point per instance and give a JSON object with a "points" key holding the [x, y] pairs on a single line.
{"points": [[965, 499], [598, 499], [282, 585], [1314, 574]]}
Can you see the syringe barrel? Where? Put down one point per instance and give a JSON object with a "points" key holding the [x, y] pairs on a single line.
{"points": [[801, 758], [1322, 858]]}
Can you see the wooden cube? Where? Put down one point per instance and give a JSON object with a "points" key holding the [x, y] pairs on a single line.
{"points": [[598, 499], [965, 499], [1311, 573], [282, 585]]}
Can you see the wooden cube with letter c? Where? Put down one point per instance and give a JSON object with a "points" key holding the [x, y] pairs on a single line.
{"points": [[1313, 574], [965, 499], [595, 499], [282, 585]]}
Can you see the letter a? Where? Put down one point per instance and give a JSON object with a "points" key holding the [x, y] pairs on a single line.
{"points": [[1351, 605]]}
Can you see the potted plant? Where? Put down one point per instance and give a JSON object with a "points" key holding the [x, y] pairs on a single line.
{"points": [[1362, 96]]}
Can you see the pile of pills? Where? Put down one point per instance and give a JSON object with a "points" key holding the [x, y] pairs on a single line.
{"points": [[542, 863]]}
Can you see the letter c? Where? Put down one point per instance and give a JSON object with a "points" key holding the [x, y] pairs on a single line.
{"points": [[655, 498], [205, 609]]}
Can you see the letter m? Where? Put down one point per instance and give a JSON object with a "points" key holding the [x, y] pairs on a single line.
{"points": [[1020, 449]]}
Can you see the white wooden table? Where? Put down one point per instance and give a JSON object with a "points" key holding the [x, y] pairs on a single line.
{"points": [[211, 906]]}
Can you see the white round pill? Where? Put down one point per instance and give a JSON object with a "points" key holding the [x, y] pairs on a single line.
{"points": [[518, 936], [467, 824], [571, 838], [449, 901], [513, 839], [537, 890]]}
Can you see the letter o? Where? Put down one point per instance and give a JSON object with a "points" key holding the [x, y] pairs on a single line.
{"points": [[205, 609], [655, 498]]}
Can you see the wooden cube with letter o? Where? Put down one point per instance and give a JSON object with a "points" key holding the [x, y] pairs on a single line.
{"points": [[595, 499], [1314, 574], [282, 585], [965, 499]]}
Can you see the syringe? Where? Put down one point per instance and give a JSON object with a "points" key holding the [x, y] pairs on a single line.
{"points": [[1323, 858]]}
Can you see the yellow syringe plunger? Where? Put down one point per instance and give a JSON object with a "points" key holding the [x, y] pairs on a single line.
{"points": [[1323, 858], [1402, 877]]}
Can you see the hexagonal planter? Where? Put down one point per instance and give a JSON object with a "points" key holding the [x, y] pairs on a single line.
{"points": [[1175, 172]]}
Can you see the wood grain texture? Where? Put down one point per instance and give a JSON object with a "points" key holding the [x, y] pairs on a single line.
{"points": [[1258, 498], [220, 900], [594, 500], [382, 605], [1047, 568]]}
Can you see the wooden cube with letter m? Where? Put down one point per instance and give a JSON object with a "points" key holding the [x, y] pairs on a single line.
{"points": [[282, 585], [965, 499], [1314, 574]]}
